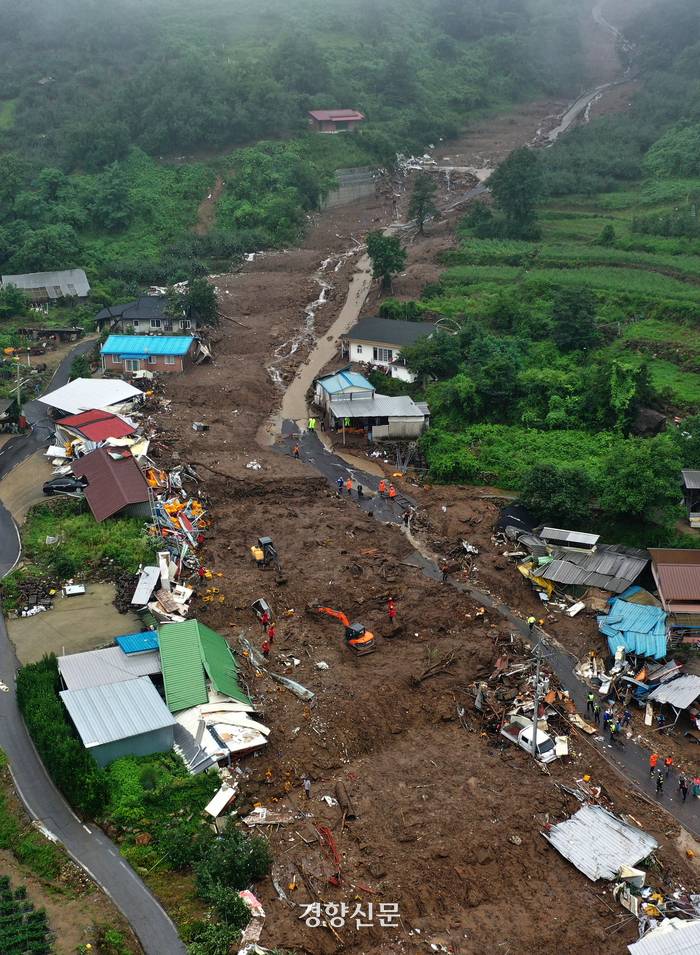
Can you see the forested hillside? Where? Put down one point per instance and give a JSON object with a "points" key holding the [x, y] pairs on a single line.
{"points": [[580, 313], [103, 102]]}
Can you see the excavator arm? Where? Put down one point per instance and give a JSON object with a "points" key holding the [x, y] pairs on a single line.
{"points": [[337, 614]]}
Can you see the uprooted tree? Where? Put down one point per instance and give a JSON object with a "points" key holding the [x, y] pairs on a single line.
{"points": [[422, 205], [387, 256]]}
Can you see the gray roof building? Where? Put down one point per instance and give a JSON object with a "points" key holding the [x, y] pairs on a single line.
{"points": [[388, 331], [67, 283], [111, 665], [120, 719]]}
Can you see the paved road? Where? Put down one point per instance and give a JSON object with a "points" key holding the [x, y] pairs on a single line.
{"points": [[633, 760], [87, 845]]}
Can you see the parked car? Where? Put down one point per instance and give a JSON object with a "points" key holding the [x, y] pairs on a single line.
{"points": [[65, 485]]}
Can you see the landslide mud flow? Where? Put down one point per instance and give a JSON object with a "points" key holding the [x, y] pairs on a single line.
{"points": [[447, 820]]}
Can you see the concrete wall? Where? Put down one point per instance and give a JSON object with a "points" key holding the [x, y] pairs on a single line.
{"points": [[399, 428], [353, 184], [156, 742]]}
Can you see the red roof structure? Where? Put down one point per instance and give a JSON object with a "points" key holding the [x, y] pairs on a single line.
{"points": [[97, 425], [114, 481], [336, 115], [677, 575]]}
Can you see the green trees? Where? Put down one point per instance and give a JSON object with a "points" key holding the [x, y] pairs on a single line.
{"points": [[436, 357], [516, 187], [688, 442], [560, 494], [68, 763], [640, 476], [112, 206], [422, 205], [197, 301], [13, 301], [573, 314], [387, 256]]}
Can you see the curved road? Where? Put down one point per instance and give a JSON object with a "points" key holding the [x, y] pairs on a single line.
{"points": [[87, 845]]}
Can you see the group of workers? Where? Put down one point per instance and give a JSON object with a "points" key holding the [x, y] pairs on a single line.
{"points": [[347, 484], [269, 631], [661, 772]]}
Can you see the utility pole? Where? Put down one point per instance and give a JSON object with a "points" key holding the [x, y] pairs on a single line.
{"points": [[538, 650], [19, 387]]}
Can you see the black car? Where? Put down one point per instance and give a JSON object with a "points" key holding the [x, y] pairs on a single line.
{"points": [[65, 485]]}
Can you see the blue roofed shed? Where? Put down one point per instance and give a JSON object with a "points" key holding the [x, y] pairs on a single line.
{"points": [[638, 628], [343, 384], [132, 353]]}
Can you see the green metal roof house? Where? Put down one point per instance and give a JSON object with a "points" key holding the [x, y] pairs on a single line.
{"points": [[188, 651]]}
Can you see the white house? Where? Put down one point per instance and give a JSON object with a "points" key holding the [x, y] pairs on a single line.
{"points": [[378, 342]]}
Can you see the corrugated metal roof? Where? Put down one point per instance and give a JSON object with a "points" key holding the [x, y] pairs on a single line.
{"points": [[598, 843], [611, 568], [103, 714], [388, 331], [636, 627], [680, 692], [341, 380], [379, 406], [563, 536], [673, 937], [138, 642], [66, 282], [181, 660], [146, 585], [691, 479], [677, 572], [144, 345], [112, 665], [113, 483], [220, 664]]}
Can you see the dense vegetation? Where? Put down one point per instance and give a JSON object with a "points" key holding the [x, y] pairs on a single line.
{"points": [[156, 807], [578, 313], [96, 95], [70, 765]]}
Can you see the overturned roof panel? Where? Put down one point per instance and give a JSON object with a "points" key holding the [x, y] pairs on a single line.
{"points": [[598, 843], [673, 937], [680, 692], [611, 568], [570, 538], [67, 282], [638, 628]]}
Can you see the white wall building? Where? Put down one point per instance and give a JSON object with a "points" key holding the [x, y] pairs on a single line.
{"points": [[378, 342]]}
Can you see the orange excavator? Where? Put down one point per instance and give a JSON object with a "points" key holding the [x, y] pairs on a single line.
{"points": [[359, 640]]}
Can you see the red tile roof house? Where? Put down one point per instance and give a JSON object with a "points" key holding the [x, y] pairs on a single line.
{"points": [[115, 484], [335, 120]]}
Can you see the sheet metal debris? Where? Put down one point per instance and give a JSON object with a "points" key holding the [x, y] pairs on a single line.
{"points": [[598, 843]]}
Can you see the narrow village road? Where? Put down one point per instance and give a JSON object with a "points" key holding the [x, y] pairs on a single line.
{"points": [[87, 845]]}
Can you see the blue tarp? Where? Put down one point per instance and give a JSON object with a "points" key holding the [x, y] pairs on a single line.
{"points": [[636, 627], [138, 642]]}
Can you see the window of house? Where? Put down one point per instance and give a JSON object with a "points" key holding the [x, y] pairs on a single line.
{"points": [[152, 360], [131, 364], [115, 360], [186, 323], [155, 323], [359, 349], [169, 359], [136, 323], [383, 354]]}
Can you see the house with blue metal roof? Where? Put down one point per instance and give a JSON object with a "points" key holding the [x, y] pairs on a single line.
{"points": [[343, 384], [162, 353]]}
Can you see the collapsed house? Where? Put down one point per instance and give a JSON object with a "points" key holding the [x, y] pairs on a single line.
{"points": [[115, 484], [677, 576]]}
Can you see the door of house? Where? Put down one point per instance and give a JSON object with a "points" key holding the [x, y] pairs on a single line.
{"points": [[131, 364]]}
